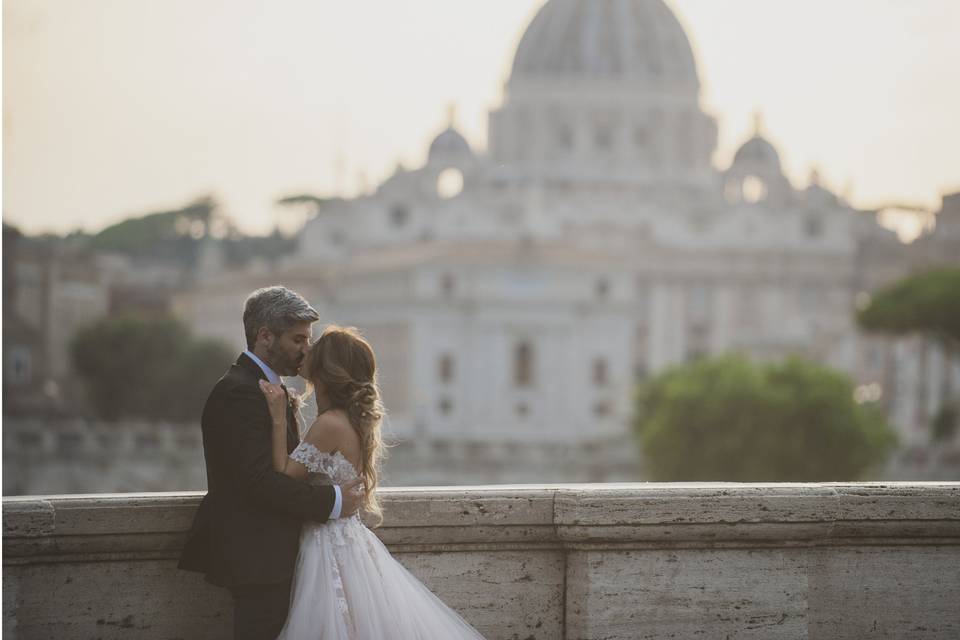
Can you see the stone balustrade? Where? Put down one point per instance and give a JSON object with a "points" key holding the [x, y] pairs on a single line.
{"points": [[611, 561]]}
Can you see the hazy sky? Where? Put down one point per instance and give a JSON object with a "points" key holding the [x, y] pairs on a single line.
{"points": [[114, 108]]}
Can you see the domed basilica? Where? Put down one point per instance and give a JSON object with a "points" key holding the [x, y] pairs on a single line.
{"points": [[516, 296]]}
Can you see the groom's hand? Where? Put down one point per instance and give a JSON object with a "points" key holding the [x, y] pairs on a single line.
{"points": [[352, 496]]}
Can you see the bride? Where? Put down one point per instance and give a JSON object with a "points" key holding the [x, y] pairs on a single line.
{"points": [[346, 584]]}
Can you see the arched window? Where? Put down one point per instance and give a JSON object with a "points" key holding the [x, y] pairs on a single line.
{"points": [[447, 284], [445, 367], [754, 189], [602, 288], [640, 371], [399, 215], [699, 303], [600, 373], [19, 369], [445, 406], [523, 365], [813, 226], [449, 183]]}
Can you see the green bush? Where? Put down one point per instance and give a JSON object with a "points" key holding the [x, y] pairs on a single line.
{"points": [[926, 302], [728, 419], [152, 368]]}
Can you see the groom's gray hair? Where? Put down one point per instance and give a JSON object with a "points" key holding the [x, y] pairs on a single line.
{"points": [[276, 308]]}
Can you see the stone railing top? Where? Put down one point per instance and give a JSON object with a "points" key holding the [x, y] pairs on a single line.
{"points": [[633, 514]]}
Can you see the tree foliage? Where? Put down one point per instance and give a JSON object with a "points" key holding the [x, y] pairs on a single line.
{"points": [[727, 419], [164, 234], [313, 204], [926, 302], [135, 367], [303, 198], [241, 249]]}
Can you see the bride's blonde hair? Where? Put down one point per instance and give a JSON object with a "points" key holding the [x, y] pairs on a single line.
{"points": [[343, 361]]}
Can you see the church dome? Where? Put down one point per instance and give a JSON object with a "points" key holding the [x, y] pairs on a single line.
{"points": [[449, 145], [757, 152], [755, 174], [639, 42]]}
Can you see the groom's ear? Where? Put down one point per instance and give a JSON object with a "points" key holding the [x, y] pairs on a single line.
{"points": [[265, 335]]}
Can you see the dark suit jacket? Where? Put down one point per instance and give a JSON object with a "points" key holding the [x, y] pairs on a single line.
{"points": [[247, 528]]}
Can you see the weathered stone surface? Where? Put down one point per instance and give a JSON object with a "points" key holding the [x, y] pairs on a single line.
{"points": [[467, 515], [898, 501], [144, 599], [884, 592], [503, 594], [469, 506], [658, 513], [571, 561], [11, 601], [694, 593], [817, 593], [27, 518], [721, 503], [138, 513]]}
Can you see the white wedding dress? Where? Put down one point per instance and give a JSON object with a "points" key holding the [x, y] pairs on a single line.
{"points": [[347, 586]]}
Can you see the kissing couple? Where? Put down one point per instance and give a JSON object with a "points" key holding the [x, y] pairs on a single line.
{"points": [[280, 524]]}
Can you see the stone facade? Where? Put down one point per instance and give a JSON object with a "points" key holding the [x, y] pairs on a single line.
{"points": [[519, 293], [818, 561]]}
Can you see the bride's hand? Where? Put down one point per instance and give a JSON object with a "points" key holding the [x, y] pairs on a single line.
{"points": [[276, 400]]}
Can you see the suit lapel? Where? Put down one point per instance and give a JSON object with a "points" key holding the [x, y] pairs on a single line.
{"points": [[293, 438]]}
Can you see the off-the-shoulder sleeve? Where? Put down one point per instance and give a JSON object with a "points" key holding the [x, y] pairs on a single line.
{"points": [[315, 460], [307, 455]]}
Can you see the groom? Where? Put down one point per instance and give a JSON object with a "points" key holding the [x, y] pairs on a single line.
{"points": [[246, 533]]}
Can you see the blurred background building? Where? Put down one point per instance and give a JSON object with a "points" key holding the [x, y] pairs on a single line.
{"points": [[516, 297]]}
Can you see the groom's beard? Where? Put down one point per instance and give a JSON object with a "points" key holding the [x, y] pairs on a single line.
{"points": [[283, 363]]}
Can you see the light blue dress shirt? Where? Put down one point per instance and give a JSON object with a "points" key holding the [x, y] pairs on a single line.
{"points": [[273, 378]]}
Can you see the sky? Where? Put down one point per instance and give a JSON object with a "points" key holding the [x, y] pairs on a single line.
{"points": [[117, 108]]}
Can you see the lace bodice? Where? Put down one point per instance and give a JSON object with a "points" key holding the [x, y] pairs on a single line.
{"points": [[323, 467]]}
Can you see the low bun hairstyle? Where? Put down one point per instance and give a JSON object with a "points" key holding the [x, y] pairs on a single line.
{"points": [[343, 361]]}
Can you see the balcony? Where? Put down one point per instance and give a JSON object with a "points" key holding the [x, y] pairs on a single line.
{"points": [[587, 561]]}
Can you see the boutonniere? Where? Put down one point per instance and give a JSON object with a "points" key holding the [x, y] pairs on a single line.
{"points": [[296, 402]]}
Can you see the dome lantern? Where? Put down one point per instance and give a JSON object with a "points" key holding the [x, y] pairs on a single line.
{"points": [[449, 147]]}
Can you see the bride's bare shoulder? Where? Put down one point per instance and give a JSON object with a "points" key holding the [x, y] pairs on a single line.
{"points": [[331, 431]]}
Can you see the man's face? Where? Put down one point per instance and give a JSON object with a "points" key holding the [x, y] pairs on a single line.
{"points": [[285, 352]]}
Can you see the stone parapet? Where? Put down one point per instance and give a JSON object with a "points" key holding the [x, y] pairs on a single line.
{"points": [[605, 561]]}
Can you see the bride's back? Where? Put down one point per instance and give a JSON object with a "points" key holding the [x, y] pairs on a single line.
{"points": [[332, 433], [350, 446]]}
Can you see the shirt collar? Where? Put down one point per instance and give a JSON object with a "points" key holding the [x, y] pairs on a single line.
{"points": [[272, 377]]}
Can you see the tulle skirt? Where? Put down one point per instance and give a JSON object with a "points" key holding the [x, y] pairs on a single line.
{"points": [[347, 586]]}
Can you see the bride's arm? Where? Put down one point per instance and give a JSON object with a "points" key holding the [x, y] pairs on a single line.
{"points": [[277, 401]]}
